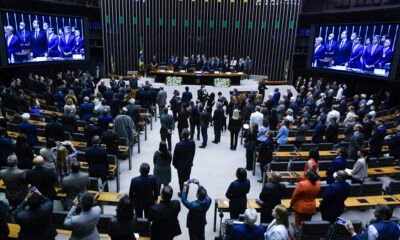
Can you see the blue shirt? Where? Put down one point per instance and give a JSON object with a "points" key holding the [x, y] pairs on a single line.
{"points": [[244, 232], [196, 217]]}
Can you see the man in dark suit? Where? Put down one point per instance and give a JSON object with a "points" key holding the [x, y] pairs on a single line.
{"points": [[86, 109], [12, 42], [332, 131], [52, 46], [218, 120], [319, 52], [44, 179], [78, 43], [91, 130], [110, 139], [271, 195], [332, 204], [377, 139], [372, 53], [38, 40], [14, 181], [186, 96], [24, 36], [194, 120], [183, 158], [330, 46], [167, 126], [164, 217], [319, 131], [96, 157], [143, 191], [133, 111], [54, 129], [36, 220], [387, 53], [76, 182], [6, 147], [67, 42], [29, 130], [196, 218], [68, 121], [356, 52], [343, 50], [339, 163]]}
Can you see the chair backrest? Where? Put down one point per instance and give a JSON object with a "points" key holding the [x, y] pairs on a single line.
{"points": [[80, 123], [67, 135], [286, 148], [104, 223], [289, 191], [79, 137], [278, 166], [122, 141], [386, 161], [373, 162], [325, 146], [393, 187], [94, 184], [36, 117], [41, 132], [339, 232], [112, 159], [350, 163], [307, 146], [314, 230], [355, 190], [297, 165], [58, 219], [36, 150], [12, 127], [324, 165], [143, 227], [371, 188], [81, 157]]}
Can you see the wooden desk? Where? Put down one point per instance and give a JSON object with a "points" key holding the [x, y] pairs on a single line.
{"points": [[110, 198], [48, 112], [220, 205], [285, 155], [369, 201]]}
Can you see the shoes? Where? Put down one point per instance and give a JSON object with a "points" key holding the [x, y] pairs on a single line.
{"points": [[202, 146], [260, 181], [215, 142]]}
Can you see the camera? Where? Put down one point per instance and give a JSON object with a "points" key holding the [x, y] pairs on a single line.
{"points": [[192, 181]]}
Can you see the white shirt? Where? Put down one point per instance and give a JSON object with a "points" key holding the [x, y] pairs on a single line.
{"points": [[276, 232], [333, 113], [339, 94], [256, 118], [9, 40]]}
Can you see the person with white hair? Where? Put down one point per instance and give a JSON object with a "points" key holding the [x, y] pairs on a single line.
{"points": [[319, 52], [12, 43], [249, 230], [257, 117], [86, 109], [29, 129], [124, 126]]}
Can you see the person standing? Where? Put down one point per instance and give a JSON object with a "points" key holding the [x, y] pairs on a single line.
{"points": [[237, 193], [218, 120], [339, 163], [167, 127], [164, 217], [195, 119], [124, 126], [234, 126], [204, 121], [162, 165], [196, 218], [143, 191], [187, 96], [183, 117], [332, 204], [161, 100], [271, 196], [183, 158], [29, 129], [377, 139], [96, 157], [303, 197], [265, 153], [44, 179]]}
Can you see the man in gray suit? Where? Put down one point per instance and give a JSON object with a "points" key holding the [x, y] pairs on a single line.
{"points": [[167, 126], [83, 224], [14, 180], [75, 183], [124, 126], [161, 100], [356, 142]]}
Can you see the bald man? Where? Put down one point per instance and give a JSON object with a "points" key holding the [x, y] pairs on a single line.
{"points": [[44, 179]]}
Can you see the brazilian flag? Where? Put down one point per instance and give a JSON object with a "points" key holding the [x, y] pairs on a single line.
{"points": [[141, 61]]}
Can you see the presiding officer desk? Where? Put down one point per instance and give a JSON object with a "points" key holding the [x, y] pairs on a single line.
{"points": [[197, 78]]}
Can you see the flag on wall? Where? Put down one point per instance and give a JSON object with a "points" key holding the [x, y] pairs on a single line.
{"points": [[141, 61]]}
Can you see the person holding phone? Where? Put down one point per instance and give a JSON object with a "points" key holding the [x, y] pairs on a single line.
{"points": [[196, 218]]}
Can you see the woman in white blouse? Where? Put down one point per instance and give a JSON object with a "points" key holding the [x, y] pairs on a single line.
{"points": [[278, 228]]}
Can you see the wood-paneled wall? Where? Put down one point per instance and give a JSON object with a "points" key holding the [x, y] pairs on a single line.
{"points": [[264, 30]]}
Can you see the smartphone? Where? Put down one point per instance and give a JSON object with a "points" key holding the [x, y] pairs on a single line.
{"points": [[191, 181], [32, 189], [341, 221]]}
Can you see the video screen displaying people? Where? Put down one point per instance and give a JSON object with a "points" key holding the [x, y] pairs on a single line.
{"points": [[364, 49], [42, 38]]}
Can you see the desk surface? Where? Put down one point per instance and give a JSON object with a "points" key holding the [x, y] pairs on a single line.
{"points": [[208, 74], [371, 201]]}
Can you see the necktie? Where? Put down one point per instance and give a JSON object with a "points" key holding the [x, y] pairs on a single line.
{"points": [[341, 44], [373, 49], [330, 45], [36, 34]]}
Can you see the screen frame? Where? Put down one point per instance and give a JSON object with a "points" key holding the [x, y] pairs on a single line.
{"points": [[395, 62], [3, 48]]}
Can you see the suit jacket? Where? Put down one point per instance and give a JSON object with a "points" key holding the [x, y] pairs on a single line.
{"points": [[339, 163], [67, 46], [303, 197], [342, 54], [319, 53], [386, 57], [78, 45], [16, 185], [372, 58], [162, 98], [319, 132], [55, 130], [237, 194], [86, 111], [356, 143], [164, 220], [75, 183], [271, 195], [134, 112], [30, 131], [36, 224], [84, 225], [13, 46], [245, 232], [196, 218], [44, 179], [124, 127], [355, 56], [6, 149], [110, 139], [96, 157], [38, 44], [332, 205], [52, 46], [167, 123], [377, 139], [219, 117], [184, 154], [332, 132], [186, 97], [24, 38], [143, 191], [68, 122], [330, 47]]}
